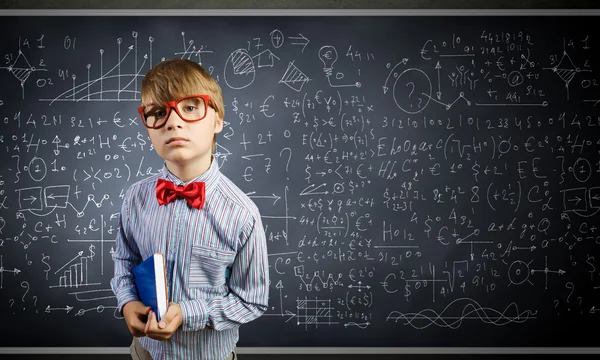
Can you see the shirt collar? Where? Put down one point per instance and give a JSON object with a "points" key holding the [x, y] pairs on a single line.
{"points": [[210, 176]]}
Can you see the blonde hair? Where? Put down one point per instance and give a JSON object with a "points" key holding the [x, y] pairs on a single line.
{"points": [[175, 78]]}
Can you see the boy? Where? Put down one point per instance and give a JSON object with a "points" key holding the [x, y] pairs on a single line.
{"points": [[210, 232]]}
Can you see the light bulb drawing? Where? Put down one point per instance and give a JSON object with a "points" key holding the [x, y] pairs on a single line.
{"points": [[328, 55]]}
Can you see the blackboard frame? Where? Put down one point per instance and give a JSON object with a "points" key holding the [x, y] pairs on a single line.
{"points": [[325, 13]]}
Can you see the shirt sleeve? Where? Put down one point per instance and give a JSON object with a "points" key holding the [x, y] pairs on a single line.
{"points": [[125, 257], [249, 287]]}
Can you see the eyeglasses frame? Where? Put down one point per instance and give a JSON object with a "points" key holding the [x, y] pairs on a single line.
{"points": [[173, 105]]}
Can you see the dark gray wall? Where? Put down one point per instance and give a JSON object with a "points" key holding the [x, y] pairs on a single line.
{"points": [[299, 4]]}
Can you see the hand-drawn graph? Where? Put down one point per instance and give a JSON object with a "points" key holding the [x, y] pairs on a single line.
{"points": [[469, 310], [21, 69], [314, 312], [74, 273], [281, 313], [111, 84], [318, 281], [189, 50]]}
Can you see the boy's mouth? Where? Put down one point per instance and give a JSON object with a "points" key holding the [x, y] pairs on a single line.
{"points": [[176, 139]]}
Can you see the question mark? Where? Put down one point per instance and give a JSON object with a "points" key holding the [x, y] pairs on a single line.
{"points": [[35, 303], [289, 157], [413, 87], [11, 302], [556, 303], [26, 291], [570, 285]]}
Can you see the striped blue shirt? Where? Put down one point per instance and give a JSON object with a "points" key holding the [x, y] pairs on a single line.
{"points": [[217, 264]]}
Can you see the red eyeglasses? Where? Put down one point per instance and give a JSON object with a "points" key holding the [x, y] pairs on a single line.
{"points": [[189, 108]]}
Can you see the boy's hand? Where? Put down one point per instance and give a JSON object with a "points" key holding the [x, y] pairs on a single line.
{"points": [[164, 329], [135, 314]]}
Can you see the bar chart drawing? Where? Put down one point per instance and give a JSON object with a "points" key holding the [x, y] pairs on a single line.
{"points": [[74, 273]]}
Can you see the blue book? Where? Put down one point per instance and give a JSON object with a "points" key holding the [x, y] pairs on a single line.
{"points": [[151, 283]]}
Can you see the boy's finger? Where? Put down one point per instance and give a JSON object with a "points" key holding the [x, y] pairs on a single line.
{"points": [[168, 318], [173, 311], [171, 327], [145, 310], [150, 322], [165, 321], [138, 325]]}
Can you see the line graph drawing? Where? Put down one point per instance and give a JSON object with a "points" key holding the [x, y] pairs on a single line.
{"points": [[189, 50], [566, 69], [111, 82], [461, 95], [469, 310], [21, 69]]}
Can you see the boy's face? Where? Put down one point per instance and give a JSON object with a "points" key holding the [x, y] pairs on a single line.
{"points": [[186, 144]]}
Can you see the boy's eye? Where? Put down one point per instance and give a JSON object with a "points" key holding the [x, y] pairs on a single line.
{"points": [[156, 112]]}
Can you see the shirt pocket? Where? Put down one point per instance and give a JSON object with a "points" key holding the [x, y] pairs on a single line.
{"points": [[209, 267]]}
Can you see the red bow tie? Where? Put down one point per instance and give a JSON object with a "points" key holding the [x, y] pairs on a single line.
{"points": [[193, 193]]}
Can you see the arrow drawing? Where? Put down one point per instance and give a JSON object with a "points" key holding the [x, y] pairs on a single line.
{"points": [[304, 41]]}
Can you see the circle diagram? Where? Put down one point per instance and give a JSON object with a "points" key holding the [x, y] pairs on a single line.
{"points": [[412, 90], [582, 170], [518, 272], [239, 69]]}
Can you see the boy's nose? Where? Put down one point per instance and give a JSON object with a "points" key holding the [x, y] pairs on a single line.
{"points": [[173, 120]]}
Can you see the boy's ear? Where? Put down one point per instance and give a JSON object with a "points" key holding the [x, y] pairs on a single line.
{"points": [[218, 123]]}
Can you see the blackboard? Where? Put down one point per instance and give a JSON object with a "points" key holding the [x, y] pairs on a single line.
{"points": [[424, 181]]}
